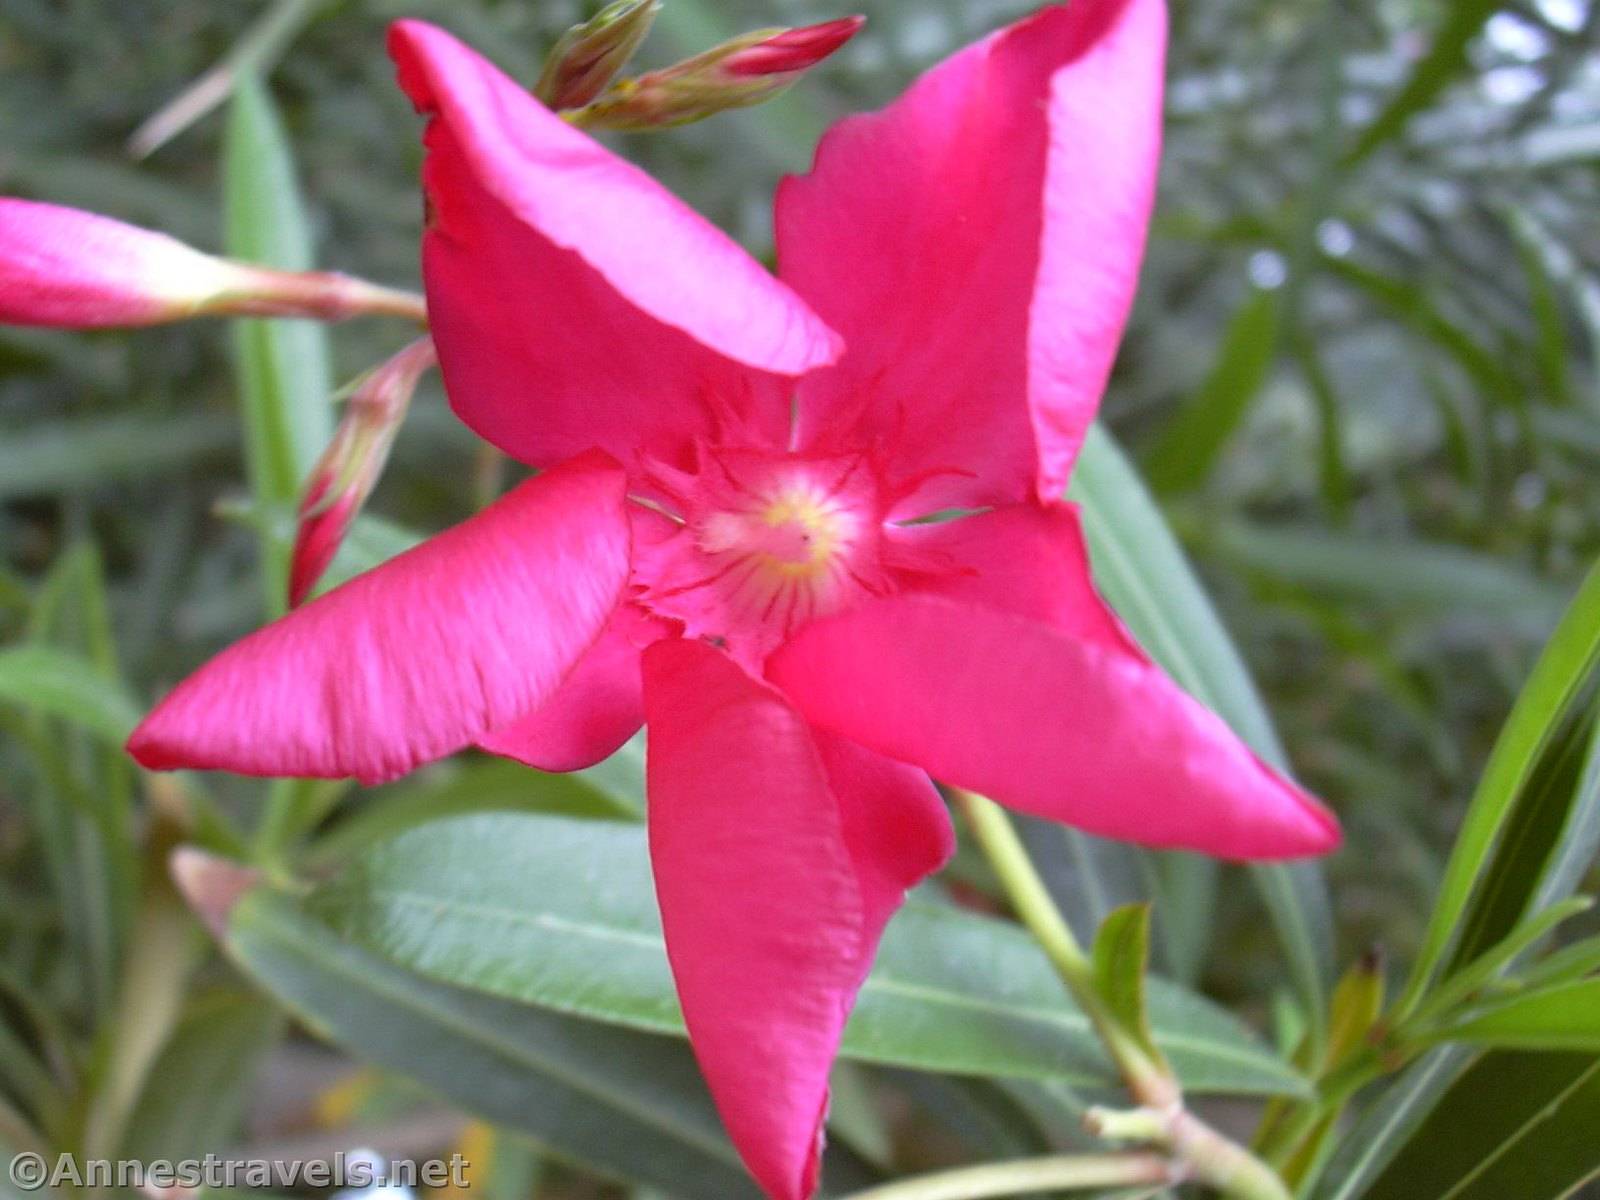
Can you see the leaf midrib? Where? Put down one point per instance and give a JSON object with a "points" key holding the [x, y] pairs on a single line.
{"points": [[876, 983]]}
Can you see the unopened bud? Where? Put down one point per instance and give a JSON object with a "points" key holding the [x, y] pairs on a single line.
{"points": [[793, 50], [66, 267], [349, 468], [747, 70], [588, 56]]}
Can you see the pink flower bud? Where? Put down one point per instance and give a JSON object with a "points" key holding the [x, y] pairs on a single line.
{"points": [[793, 49], [66, 267], [349, 468], [747, 70], [61, 266]]}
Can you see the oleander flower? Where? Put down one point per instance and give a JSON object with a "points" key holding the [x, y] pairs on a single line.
{"points": [[726, 536]]}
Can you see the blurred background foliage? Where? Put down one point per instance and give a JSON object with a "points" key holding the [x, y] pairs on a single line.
{"points": [[1363, 376]]}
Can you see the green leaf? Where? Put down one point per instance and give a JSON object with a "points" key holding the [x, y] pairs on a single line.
{"points": [[54, 683], [1408, 574], [62, 456], [1191, 444], [560, 913], [1120, 957], [256, 51], [1551, 352], [1548, 843], [1141, 570], [1563, 1017], [1561, 966], [1561, 266], [283, 373], [493, 785], [1546, 700], [1446, 58], [1513, 1125], [1390, 1122], [1482, 970], [1332, 473], [196, 1093], [1413, 305], [627, 1104]]}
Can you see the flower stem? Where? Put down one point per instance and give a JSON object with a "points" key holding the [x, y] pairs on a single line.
{"points": [[1025, 1175], [1150, 1084], [1195, 1150]]}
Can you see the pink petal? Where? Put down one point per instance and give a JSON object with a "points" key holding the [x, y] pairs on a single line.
{"points": [[982, 322], [599, 706], [1028, 559], [776, 867], [62, 266], [1070, 729], [895, 825], [576, 302], [419, 657]]}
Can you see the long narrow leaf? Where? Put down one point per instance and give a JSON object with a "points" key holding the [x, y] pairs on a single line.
{"points": [[55, 683], [630, 1105], [1515, 1125], [560, 912], [1143, 573], [283, 372], [1444, 61], [1564, 668], [1195, 438]]}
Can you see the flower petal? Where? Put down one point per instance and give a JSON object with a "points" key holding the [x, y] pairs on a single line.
{"points": [[63, 266], [982, 322], [1029, 559], [777, 863], [895, 825], [576, 302], [417, 658], [598, 706], [1065, 728]]}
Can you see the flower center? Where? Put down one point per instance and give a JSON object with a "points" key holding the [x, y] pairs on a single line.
{"points": [[796, 534], [769, 542]]}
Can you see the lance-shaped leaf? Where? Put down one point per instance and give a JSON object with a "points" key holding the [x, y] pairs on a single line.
{"points": [[560, 913], [627, 1104], [1514, 1125], [1141, 570], [1508, 800], [1120, 956]]}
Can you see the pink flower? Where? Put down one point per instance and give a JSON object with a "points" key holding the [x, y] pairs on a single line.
{"points": [[719, 540]]}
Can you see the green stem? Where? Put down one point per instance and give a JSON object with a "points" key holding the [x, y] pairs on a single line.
{"points": [[1025, 1175], [1150, 1084], [1196, 1150]]}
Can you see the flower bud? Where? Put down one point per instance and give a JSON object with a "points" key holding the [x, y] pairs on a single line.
{"points": [[745, 71], [349, 468], [793, 50], [66, 267], [588, 56]]}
